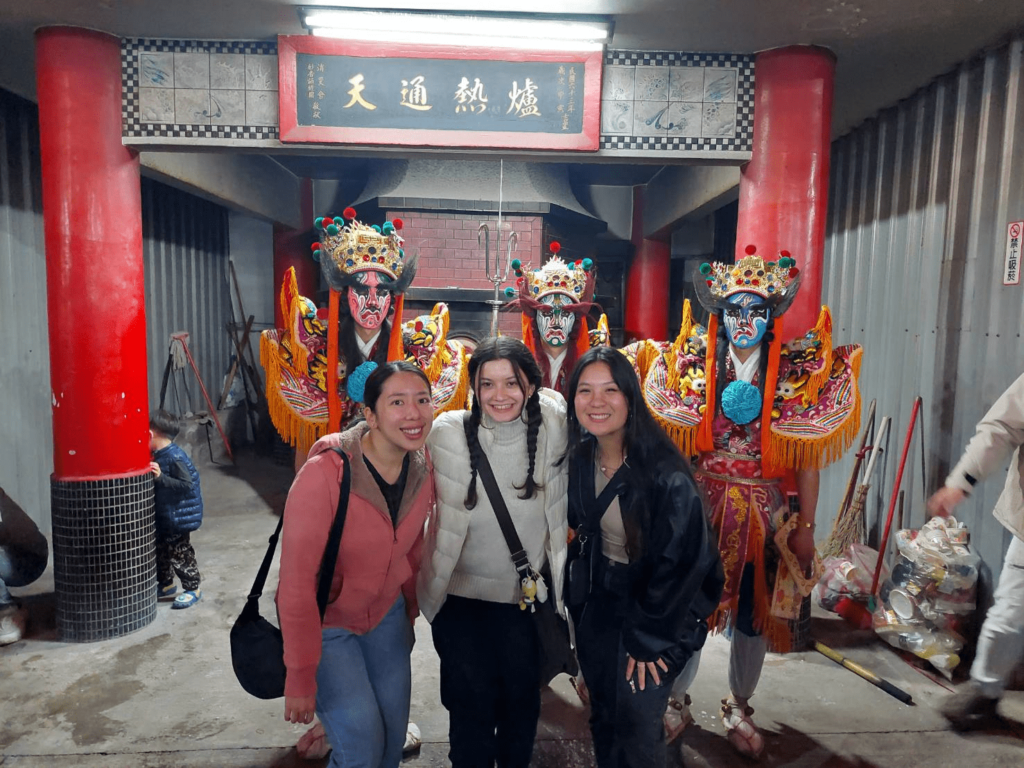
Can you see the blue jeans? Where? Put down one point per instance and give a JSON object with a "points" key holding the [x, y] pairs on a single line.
{"points": [[363, 687], [18, 568]]}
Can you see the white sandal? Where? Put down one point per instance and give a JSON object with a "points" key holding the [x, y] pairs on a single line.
{"points": [[314, 745], [413, 739], [677, 717], [740, 729]]}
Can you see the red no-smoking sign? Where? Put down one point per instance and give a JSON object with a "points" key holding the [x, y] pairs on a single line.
{"points": [[1011, 269]]}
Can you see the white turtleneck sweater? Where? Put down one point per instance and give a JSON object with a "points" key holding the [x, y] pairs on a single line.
{"points": [[465, 551]]}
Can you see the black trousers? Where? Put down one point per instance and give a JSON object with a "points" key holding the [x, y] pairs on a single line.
{"points": [[626, 725], [489, 682], [175, 555]]}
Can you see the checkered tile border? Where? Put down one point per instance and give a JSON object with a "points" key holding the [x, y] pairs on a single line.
{"points": [[132, 126], [743, 141]]}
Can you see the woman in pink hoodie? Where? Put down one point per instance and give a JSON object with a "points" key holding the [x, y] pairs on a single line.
{"points": [[353, 672]]}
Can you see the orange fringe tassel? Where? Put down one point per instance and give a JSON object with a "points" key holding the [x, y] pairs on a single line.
{"points": [[396, 350], [527, 325], [582, 338], [705, 438], [295, 430], [685, 327], [823, 330]]}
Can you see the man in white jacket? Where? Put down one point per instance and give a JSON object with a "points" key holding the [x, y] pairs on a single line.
{"points": [[1001, 643]]}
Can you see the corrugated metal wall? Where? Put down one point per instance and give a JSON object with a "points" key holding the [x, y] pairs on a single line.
{"points": [[26, 435], [186, 253], [185, 245], [920, 199]]}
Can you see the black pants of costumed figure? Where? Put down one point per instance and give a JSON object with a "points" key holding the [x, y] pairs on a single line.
{"points": [[626, 726], [490, 666]]}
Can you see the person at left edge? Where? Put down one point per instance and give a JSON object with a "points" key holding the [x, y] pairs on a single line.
{"points": [[354, 671]]}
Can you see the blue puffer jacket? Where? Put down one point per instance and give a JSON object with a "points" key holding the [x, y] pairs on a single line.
{"points": [[179, 502]]}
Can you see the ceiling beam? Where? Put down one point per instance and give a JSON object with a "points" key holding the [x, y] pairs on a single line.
{"points": [[678, 193]]}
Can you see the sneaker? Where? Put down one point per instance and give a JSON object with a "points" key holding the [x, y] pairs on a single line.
{"points": [[166, 591], [12, 624], [969, 707], [188, 598]]}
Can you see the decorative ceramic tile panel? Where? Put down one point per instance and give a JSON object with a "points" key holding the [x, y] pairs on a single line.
{"points": [[654, 102], [199, 91]]}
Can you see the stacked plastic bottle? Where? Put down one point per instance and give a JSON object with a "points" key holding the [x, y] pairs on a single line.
{"points": [[930, 594]]}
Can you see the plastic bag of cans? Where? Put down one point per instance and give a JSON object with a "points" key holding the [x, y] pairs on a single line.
{"points": [[930, 594], [847, 576]]}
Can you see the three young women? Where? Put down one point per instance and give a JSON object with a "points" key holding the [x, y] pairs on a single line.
{"points": [[469, 588], [646, 572], [353, 670]]}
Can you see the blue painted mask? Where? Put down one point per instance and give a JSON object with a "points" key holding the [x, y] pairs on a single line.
{"points": [[746, 319]]}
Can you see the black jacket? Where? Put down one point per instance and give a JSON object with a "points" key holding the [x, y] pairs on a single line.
{"points": [[179, 500], [677, 582]]}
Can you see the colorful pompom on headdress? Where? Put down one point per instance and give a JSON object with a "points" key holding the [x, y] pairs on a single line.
{"points": [[347, 247], [776, 282]]}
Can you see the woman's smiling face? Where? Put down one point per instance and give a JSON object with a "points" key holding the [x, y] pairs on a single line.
{"points": [[501, 393]]}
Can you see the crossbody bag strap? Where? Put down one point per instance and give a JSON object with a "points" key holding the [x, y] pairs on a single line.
{"points": [[261, 575], [323, 588], [508, 528]]}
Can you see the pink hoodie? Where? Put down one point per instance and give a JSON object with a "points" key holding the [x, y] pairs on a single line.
{"points": [[376, 560]]}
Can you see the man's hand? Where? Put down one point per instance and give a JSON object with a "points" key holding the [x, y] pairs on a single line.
{"points": [[801, 544], [942, 502], [299, 709], [154, 468]]}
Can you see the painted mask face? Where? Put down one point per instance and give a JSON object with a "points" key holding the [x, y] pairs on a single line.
{"points": [[420, 337], [370, 300], [746, 319], [554, 324]]}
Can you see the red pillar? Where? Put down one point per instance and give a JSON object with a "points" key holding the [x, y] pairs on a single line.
{"points": [[102, 489], [647, 282], [292, 249], [784, 187], [92, 208]]}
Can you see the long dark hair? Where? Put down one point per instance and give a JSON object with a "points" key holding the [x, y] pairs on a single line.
{"points": [[524, 367], [722, 352], [649, 452], [375, 381]]}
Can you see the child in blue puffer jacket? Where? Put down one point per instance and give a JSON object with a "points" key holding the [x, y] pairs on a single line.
{"points": [[179, 511]]}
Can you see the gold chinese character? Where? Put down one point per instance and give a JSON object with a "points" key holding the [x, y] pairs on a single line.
{"points": [[565, 122], [316, 115], [470, 99], [414, 94], [310, 66], [524, 101], [356, 92], [320, 81], [561, 108], [311, 95], [316, 106], [561, 69], [321, 95], [572, 74], [320, 67]]}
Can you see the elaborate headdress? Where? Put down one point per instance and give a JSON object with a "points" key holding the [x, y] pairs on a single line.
{"points": [[575, 280], [777, 282], [346, 249]]}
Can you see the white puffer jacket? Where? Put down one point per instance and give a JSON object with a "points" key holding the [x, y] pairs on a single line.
{"points": [[447, 530]]}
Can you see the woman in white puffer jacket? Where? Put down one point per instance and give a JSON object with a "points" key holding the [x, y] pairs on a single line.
{"points": [[468, 587]]}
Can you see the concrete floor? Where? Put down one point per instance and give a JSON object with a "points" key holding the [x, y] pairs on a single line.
{"points": [[166, 697]]}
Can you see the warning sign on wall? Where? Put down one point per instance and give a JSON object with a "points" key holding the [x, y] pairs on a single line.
{"points": [[1011, 272]]}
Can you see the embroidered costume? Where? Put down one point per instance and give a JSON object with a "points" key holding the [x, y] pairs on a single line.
{"points": [[365, 266]]}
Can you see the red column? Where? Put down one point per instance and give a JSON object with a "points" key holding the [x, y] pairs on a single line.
{"points": [[784, 187], [647, 282], [92, 208], [292, 249]]}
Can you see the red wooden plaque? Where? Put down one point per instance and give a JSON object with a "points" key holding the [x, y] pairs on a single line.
{"points": [[346, 92]]}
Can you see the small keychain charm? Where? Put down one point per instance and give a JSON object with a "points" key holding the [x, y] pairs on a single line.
{"points": [[528, 587]]}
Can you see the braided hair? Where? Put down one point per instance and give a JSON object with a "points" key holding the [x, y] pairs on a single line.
{"points": [[722, 350], [526, 369]]}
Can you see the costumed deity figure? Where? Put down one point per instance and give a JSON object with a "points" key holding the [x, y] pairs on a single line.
{"points": [[555, 301], [755, 412], [308, 361], [444, 360]]}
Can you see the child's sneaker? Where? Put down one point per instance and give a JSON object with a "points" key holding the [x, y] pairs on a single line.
{"points": [[12, 624], [187, 598], [166, 591]]}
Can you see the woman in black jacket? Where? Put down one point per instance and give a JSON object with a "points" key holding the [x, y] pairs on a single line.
{"points": [[644, 572]]}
